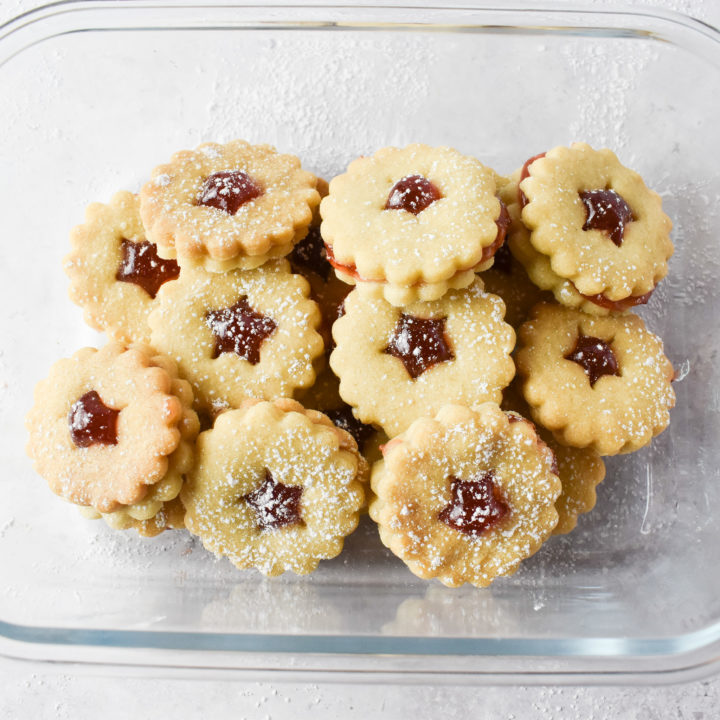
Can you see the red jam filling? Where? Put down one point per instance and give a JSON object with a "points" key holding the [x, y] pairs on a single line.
{"points": [[607, 211], [475, 506], [502, 222], [595, 357], [345, 420], [419, 343], [92, 422], [275, 505], [525, 172], [142, 266], [310, 256], [229, 191], [239, 329], [413, 193], [619, 305]]}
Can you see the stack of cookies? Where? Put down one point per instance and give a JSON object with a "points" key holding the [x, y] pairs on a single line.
{"points": [[313, 331]]}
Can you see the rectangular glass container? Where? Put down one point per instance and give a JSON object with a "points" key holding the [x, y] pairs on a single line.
{"points": [[94, 95]]}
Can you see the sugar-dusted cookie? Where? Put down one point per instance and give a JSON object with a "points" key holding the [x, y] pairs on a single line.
{"points": [[599, 382], [399, 364], [465, 496], [228, 206], [161, 509], [105, 427], [239, 334], [596, 223], [275, 487], [580, 470], [114, 271], [409, 224]]}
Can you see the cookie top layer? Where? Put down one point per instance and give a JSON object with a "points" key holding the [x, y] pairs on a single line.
{"points": [[274, 487], [465, 496], [239, 334], [398, 364], [596, 221], [115, 272], [228, 206], [103, 425], [427, 232], [599, 382]]}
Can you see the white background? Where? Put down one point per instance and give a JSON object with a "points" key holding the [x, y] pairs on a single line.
{"points": [[29, 692]]}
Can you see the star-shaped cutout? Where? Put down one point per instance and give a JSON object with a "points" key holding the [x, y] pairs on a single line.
{"points": [[239, 329], [595, 357], [275, 505], [142, 266], [92, 422], [419, 343], [475, 505]]}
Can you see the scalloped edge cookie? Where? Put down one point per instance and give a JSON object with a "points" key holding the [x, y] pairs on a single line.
{"points": [[263, 228], [411, 486], [378, 386], [618, 414], [297, 447]]}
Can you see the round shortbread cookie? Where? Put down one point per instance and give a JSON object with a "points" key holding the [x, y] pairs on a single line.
{"points": [[396, 365], [597, 223], [275, 487], [228, 206], [409, 224], [104, 426], [465, 496], [240, 334], [598, 382], [115, 272]]}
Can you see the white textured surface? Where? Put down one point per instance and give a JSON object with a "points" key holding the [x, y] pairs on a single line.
{"points": [[25, 692]]}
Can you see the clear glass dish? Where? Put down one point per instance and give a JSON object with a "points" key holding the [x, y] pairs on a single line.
{"points": [[94, 95]]}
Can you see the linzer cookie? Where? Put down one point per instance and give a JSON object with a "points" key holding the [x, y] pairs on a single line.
{"points": [[398, 364], [597, 224], [580, 470], [239, 334], [228, 206], [598, 382], [409, 224], [465, 496], [275, 487], [161, 509], [115, 272], [106, 425]]}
